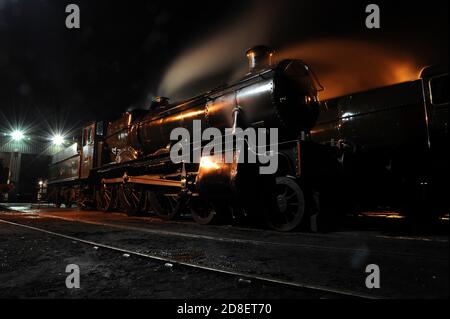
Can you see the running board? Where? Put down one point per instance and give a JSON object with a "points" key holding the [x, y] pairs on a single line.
{"points": [[144, 180]]}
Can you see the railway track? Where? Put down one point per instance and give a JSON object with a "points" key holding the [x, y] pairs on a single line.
{"points": [[331, 292], [250, 241]]}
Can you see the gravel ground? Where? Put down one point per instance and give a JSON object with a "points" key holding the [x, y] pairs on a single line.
{"points": [[33, 264]]}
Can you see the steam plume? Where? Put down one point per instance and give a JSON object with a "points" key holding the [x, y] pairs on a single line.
{"points": [[346, 66]]}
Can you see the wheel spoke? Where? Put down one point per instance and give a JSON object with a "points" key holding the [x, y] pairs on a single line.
{"points": [[291, 196], [290, 203], [204, 213], [131, 199], [163, 205]]}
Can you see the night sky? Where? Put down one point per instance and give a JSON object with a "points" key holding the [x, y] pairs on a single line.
{"points": [[126, 52]]}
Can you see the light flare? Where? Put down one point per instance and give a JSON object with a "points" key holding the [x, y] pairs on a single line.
{"points": [[17, 135]]}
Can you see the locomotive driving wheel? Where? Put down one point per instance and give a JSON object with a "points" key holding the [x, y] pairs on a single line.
{"points": [[131, 199], [165, 206], [106, 198], [290, 208], [205, 213]]}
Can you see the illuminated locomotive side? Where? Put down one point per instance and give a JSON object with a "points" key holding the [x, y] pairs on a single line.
{"points": [[125, 163], [283, 97]]}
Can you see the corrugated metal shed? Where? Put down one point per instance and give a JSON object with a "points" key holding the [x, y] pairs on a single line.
{"points": [[27, 146]]}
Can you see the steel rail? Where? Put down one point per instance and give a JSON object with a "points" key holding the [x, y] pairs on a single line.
{"points": [[237, 240]]}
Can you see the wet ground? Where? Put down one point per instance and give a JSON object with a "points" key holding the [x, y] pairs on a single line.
{"points": [[32, 264]]}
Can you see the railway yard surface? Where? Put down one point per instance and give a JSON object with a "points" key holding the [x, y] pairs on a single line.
{"points": [[146, 257]]}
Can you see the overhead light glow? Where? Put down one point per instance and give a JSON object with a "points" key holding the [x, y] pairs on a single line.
{"points": [[58, 140], [17, 135]]}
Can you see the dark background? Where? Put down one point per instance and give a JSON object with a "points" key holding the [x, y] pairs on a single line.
{"points": [[126, 52]]}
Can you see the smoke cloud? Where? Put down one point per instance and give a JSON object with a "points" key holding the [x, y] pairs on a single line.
{"points": [[346, 66], [223, 50], [346, 58]]}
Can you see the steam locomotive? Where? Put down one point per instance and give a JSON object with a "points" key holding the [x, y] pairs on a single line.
{"points": [[354, 149], [393, 144], [125, 164]]}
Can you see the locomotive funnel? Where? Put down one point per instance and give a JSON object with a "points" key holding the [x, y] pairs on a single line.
{"points": [[159, 103], [259, 58]]}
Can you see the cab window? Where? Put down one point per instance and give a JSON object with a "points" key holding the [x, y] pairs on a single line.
{"points": [[439, 90], [88, 136]]}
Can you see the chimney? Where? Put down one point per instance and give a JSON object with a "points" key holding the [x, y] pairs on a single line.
{"points": [[259, 58], [159, 103]]}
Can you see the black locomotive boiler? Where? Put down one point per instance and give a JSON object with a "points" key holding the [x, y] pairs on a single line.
{"points": [[124, 164]]}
